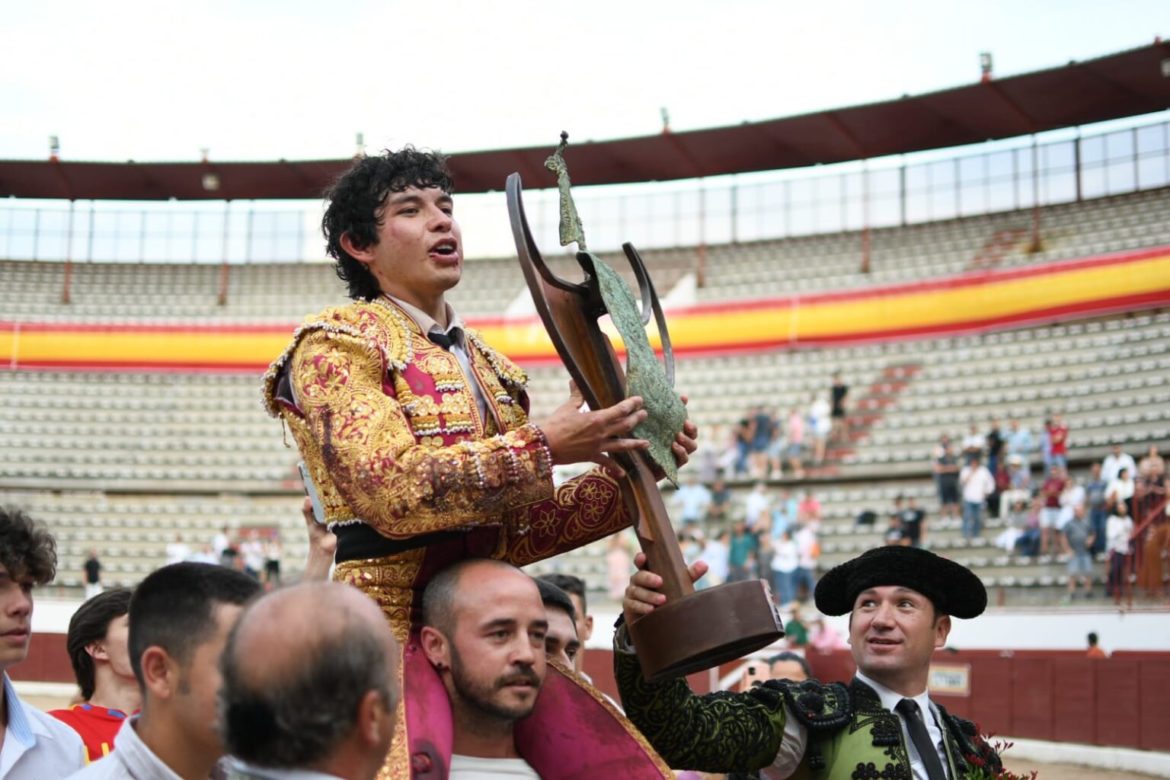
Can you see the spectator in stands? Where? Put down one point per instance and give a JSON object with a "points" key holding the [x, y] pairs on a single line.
{"points": [[716, 558], [820, 423], [1115, 461], [272, 555], [977, 484], [1095, 488], [838, 392], [92, 574], [575, 588], [1020, 442], [784, 513], [794, 435], [720, 506], [221, 543], [1050, 491], [1121, 490], [177, 551], [756, 506], [809, 509], [98, 646], [973, 443], [180, 616], [1152, 467], [1078, 538], [809, 547], [561, 642], [1072, 499], [35, 746], [823, 637], [1046, 445], [739, 554], [309, 686], [946, 478], [1095, 650], [893, 533], [742, 438], [1017, 523], [1058, 441], [483, 635], [1119, 546], [692, 499], [913, 522], [762, 428], [995, 447], [785, 561]]}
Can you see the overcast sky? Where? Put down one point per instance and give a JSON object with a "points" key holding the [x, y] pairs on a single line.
{"points": [[159, 80]]}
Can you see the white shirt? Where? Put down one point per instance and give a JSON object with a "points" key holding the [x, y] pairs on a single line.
{"points": [[474, 768], [36, 746], [1117, 531], [977, 483], [806, 543], [785, 556], [241, 769], [1122, 490], [1113, 464], [131, 759], [757, 505]]}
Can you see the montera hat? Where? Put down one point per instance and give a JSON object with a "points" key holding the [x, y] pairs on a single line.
{"points": [[952, 587]]}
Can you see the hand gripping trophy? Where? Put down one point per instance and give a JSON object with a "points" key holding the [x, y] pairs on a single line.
{"points": [[694, 630]]}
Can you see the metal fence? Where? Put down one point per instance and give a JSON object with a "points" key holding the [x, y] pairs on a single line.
{"points": [[1020, 173]]}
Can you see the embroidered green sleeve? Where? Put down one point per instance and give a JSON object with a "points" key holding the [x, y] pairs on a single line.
{"points": [[716, 732]]}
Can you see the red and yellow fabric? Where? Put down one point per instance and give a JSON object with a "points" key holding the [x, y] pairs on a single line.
{"points": [[390, 432], [972, 302]]}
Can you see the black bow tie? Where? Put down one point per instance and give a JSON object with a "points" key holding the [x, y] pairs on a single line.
{"points": [[444, 340]]}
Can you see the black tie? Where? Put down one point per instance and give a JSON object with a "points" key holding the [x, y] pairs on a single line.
{"points": [[444, 340], [908, 709]]}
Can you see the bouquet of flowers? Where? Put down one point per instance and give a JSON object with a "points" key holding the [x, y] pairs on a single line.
{"points": [[982, 770]]}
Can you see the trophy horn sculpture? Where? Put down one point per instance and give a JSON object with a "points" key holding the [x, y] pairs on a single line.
{"points": [[693, 630]]}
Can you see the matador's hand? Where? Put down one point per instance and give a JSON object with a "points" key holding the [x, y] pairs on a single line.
{"points": [[575, 436]]}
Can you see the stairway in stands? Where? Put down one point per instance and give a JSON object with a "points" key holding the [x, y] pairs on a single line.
{"points": [[865, 411]]}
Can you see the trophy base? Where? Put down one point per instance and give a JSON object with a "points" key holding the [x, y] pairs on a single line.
{"points": [[705, 628]]}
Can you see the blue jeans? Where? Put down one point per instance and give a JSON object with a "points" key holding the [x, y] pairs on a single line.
{"points": [[972, 519], [806, 576], [1097, 519], [784, 586]]}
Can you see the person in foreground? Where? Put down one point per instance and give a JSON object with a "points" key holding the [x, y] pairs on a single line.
{"points": [[99, 649], [35, 745], [482, 667], [883, 724], [309, 686], [180, 616]]}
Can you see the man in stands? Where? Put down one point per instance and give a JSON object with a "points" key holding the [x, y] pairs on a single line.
{"points": [[414, 431], [99, 649], [561, 642], [1114, 462], [583, 621], [483, 653], [36, 746], [1058, 440], [180, 616], [309, 686], [900, 602]]}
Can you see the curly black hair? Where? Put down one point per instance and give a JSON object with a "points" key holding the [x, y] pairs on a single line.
{"points": [[27, 549], [355, 205]]}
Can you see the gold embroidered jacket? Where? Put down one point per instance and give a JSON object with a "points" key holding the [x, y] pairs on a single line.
{"points": [[391, 435]]}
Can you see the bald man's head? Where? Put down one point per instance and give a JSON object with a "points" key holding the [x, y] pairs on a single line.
{"points": [[306, 671]]}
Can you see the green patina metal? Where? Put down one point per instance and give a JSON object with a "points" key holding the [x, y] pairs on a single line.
{"points": [[645, 375]]}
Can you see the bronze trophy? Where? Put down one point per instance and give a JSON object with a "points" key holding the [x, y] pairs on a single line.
{"points": [[693, 630]]}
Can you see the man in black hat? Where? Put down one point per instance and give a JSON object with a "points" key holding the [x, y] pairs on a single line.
{"points": [[900, 602]]}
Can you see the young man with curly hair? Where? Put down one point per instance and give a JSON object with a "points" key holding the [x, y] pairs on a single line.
{"points": [[35, 745], [414, 430]]}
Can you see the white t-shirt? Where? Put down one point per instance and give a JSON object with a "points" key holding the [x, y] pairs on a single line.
{"points": [[1117, 531], [473, 768], [785, 556], [977, 483]]}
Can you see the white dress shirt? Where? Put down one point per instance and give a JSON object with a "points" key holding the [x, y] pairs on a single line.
{"points": [[890, 700], [36, 746]]}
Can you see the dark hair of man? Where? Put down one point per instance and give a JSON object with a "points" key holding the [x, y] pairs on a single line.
{"points": [[356, 200], [174, 608], [555, 598], [574, 586], [1092, 639], [305, 717], [89, 624], [790, 656], [27, 549], [440, 596]]}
